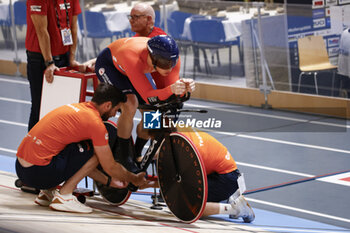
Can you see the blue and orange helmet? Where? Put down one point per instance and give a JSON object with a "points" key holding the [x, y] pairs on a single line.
{"points": [[164, 51]]}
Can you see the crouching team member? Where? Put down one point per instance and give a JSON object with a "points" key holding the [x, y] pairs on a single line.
{"points": [[67, 145], [222, 176], [124, 64]]}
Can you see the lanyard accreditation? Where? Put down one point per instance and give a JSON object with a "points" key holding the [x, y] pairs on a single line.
{"points": [[66, 33]]}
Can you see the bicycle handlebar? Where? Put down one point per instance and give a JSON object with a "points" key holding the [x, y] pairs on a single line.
{"points": [[173, 102]]}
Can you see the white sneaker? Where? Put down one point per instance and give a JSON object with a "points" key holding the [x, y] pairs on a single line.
{"points": [[68, 203], [44, 198], [243, 208]]}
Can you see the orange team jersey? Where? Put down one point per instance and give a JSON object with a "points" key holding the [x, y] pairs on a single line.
{"points": [[216, 157], [129, 56], [60, 127]]}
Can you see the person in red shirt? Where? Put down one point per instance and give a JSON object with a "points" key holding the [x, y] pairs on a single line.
{"points": [[51, 41], [68, 144], [124, 64], [142, 18]]}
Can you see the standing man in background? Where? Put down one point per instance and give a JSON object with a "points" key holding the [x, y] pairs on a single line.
{"points": [[51, 42], [142, 18]]}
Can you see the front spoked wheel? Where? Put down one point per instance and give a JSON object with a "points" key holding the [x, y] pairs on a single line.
{"points": [[182, 178]]}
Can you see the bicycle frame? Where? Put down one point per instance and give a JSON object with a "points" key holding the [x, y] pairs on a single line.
{"points": [[176, 154], [152, 150], [150, 154], [174, 102]]}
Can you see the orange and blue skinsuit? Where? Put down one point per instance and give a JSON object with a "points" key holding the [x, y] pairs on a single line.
{"points": [[124, 64]]}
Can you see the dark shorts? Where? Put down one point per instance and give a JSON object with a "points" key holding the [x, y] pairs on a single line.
{"points": [[108, 73], [62, 166], [222, 186]]}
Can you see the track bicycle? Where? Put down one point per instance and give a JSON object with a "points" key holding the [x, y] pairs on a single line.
{"points": [[181, 173]]}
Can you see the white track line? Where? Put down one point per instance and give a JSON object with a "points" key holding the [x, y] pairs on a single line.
{"points": [[217, 109], [13, 123], [274, 169], [269, 116], [299, 210], [295, 144], [237, 135], [279, 141], [272, 140], [14, 81], [8, 150], [15, 100]]}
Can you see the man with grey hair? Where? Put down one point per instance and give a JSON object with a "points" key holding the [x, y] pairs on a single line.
{"points": [[142, 18]]}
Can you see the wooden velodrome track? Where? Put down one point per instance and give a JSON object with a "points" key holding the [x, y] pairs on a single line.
{"points": [[18, 213], [296, 168]]}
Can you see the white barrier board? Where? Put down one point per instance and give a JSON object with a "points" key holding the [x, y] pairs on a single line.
{"points": [[63, 90]]}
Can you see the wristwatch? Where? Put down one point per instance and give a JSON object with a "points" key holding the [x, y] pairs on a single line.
{"points": [[47, 63]]}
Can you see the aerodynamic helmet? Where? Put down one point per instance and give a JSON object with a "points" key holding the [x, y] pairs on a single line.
{"points": [[164, 51]]}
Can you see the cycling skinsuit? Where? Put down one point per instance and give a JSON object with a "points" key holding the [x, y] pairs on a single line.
{"points": [[124, 64]]}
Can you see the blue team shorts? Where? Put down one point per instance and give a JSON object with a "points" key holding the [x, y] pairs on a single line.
{"points": [[62, 166], [108, 73], [222, 186]]}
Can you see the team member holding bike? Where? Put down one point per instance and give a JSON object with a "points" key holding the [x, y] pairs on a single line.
{"points": [[222, 176], [124, 64], [67, 145]]}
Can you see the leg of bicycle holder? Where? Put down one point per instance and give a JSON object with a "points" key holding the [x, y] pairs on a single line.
{"points": [[156, 205]]}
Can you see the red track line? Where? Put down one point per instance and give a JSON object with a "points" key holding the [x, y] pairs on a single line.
{"points": [[291, 182], [4, 186]]}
